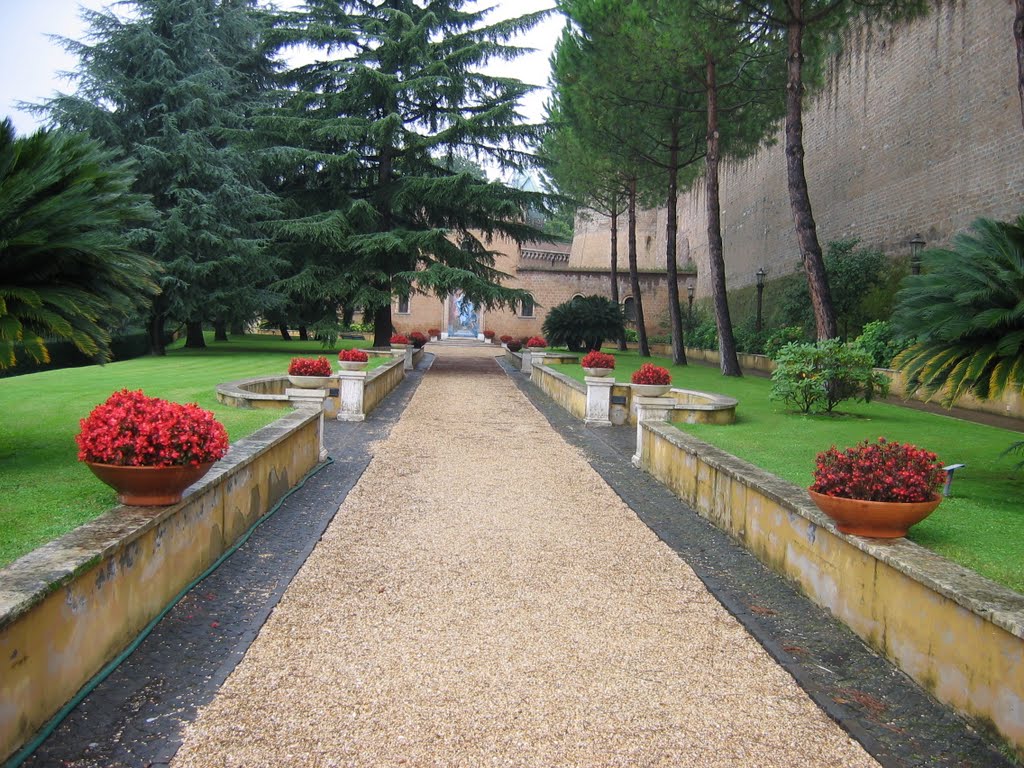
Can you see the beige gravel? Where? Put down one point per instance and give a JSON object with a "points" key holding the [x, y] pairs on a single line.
{"points": [[483, 598]]}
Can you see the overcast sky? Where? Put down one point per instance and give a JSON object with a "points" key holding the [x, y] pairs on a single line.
{"points": [[31, 63]]}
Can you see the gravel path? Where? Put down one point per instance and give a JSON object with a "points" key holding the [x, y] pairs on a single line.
{"points": [[484, 598]]}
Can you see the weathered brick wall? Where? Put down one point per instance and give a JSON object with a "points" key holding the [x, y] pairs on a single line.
{"points": [[918, 129]]}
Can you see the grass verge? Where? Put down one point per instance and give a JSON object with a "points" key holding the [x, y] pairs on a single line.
{"points": [[981, 526], [45, 491]]}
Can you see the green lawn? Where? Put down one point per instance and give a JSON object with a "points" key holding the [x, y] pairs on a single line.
{"points": [[45, 491], [981, 526]]}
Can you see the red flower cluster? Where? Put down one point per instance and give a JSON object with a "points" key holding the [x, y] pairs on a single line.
{"points": [[536, 341], [881, 471], [309, 366], [133, 430], [649, 373], [505, 339], [398, 338], [353, 356], [514, 346], [597, 359], [418, 339], [435, 332], [488, 334]]}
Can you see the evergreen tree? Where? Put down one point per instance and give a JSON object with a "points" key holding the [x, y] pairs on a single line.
{"points": [[395, 93], [171, 85]]}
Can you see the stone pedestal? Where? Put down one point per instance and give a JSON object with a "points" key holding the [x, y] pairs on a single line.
{"points": [[599, 398], [408, 358], [649, 409], [310, 399], [530, 359], [350, 395]]}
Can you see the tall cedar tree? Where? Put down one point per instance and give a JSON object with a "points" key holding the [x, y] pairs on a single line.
{"points": [[394, 92], [169, 85], [809, 25]]}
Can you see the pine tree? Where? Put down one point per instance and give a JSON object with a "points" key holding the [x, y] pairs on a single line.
{"points": [[396, 90], [171, 85]]}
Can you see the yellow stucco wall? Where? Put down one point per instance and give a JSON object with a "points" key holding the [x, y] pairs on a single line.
{"points": [[965, 643], [95, 588]]}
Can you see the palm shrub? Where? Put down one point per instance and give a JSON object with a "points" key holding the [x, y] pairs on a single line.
{"points": [[815, 378], [68, 268], [967, 313], [584, 323]]}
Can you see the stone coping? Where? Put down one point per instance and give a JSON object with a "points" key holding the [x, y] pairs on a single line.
{"points": [[248, 389], [29, 579], [985, 598]]}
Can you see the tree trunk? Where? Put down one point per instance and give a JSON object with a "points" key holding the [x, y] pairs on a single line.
{"points": [[347, 314], [1018, 38], [729, 363], [382, 326], [283, 328], [634, 277], [303, 333], [194, 335], [237, 328], [615, 263], [800, 201], [220, 331], [156, 333], [675, 315]]}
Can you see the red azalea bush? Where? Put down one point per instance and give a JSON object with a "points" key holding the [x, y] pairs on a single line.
{"points": [[353, 356], [435, 332], [505, 339], [488, 334], [881, 471], [133, 430], [398, 338], [536, 341], [309, 366], [597, 359], [418, 339], [649, 373]]}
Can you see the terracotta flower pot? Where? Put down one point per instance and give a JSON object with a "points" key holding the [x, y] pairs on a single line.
{"points": [[148, 486], [874, 519]]}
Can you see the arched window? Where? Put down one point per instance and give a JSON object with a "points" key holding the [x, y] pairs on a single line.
{"points": [[576, 296], [629, 310]]}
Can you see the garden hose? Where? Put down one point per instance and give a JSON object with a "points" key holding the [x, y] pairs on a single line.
{"points": [[44, 733]]}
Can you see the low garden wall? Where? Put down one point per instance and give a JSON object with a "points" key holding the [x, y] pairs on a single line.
{"points": [[72, 605], [956, 633]]}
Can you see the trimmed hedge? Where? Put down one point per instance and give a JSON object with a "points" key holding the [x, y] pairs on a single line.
{"points": [[64, 354]]}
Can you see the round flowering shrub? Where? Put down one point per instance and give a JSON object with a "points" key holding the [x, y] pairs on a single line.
{"points": [[880, 471], [353, 356], [488, 334], [133, 430], [598, 360], [649, 373], [309, 366], [434, 332], [505, 339], [536, 341], [397, 338], [418, 339]]}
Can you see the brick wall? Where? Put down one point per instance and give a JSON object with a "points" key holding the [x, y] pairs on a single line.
{"points": [[918, 129]]}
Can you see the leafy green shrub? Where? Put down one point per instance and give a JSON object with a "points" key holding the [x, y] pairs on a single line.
{"points": [[583, 323], [881, 342], [632, 335], [814, 378], [791, 334], [750, 341], [703, 332]]}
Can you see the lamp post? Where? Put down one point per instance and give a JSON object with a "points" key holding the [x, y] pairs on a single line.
{"points": [[917, 243], [690, 290], [760, 275]]}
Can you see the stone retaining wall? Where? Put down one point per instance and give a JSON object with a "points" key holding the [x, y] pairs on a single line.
{"points": [[72, 605], [956, 633]]}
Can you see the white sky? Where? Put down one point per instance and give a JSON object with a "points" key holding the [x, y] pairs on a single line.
{"points": [[31, 63]]}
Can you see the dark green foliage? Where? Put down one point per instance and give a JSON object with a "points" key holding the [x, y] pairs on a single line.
{"points": [[879, 341], [780, 338], [583, 323], [64, 354], [68, 268], [967, 312], [701, 330], [815, 378]]}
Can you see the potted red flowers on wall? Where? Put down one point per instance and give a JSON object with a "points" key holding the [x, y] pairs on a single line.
{"points": [[418, 339], [598, 363], [536, 342], [435, 333], [147, 449], [309, 372], [651, 380], [877, 489], [399, 341], [352, 359]]}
